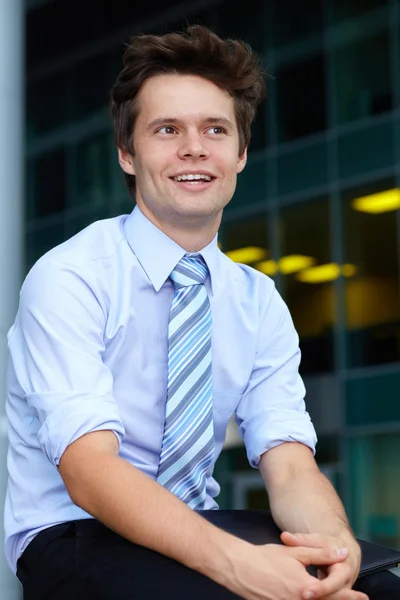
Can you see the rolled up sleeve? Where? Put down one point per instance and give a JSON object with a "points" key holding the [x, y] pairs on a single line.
{"points": [[272, 410], [56, 348]]}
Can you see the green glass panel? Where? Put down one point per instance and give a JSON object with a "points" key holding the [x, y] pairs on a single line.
{"points": [[93, 171], [373, 400], [302, 168], [366, 150], [374, 465], [363, 78], [251, 185]]}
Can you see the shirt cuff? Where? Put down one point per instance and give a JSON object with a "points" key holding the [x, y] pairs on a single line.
{"points": [[75, 416], [277, 427]]}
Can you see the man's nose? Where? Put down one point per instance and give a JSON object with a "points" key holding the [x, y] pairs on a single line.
{"points": [[193, 146]]}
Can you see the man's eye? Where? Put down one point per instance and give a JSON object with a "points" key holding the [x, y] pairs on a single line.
{"points": [[216, 130], [167, 129]]}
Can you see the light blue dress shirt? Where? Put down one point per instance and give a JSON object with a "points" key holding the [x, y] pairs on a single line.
{"points": [[88, 352]]}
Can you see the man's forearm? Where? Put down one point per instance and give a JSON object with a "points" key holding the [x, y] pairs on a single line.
{"points": [[137, 508], [302, 499], [308, 503]]}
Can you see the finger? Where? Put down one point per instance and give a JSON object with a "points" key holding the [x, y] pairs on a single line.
{"points": [[309, 540], [320, 556], [341, 595], [337, 579]]}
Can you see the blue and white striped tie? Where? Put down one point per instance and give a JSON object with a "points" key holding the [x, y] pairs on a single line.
{"points": [[188, 442]]}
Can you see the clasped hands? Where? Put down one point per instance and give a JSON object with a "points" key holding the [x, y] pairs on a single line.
{"points": [[278, 572], [335, 580]]}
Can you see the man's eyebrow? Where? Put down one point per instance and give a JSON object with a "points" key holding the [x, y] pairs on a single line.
{"points": [[159, 122]]}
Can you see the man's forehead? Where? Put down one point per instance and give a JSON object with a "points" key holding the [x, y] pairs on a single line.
{"points": [[182, 90]]}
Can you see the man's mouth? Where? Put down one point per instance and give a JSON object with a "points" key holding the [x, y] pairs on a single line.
{"points": [[193, 179]]}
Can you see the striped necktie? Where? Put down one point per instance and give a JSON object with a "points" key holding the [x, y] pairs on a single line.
{"points": [[188, 441]]}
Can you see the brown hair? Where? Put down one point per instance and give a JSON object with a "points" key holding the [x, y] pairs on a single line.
{"points": [[229, 64]]}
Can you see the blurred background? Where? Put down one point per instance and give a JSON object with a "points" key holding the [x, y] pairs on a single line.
{"points": [[316, 208]]}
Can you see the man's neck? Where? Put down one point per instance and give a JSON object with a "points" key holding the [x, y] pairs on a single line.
{"points": [[192, 237]]}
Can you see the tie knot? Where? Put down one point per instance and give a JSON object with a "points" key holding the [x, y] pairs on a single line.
{"points": [[190, 270]]}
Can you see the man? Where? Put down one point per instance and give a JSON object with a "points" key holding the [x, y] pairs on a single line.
{"points": [[134, 343]]}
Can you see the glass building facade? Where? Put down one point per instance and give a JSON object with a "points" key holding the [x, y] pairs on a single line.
{"points": [[316, 207]]}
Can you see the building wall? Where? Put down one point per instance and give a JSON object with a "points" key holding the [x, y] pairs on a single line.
{"points": [[327, 135]]}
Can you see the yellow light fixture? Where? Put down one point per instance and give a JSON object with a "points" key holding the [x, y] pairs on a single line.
{"points": [[294, 263], [323, 273], [378, 203], [349, 270], [269, 267], [248, 255]]}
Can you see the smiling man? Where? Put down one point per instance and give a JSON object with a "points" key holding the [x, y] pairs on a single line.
{"points": [[135, 342]]}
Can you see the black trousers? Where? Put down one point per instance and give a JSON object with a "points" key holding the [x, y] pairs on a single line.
{"points": [[84, 560]]}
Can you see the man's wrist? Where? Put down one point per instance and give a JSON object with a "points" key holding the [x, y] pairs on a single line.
{"points": [[223, 552]]}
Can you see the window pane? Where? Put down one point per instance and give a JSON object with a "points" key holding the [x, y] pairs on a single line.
{"points": [[42, 239], [362, 77], [372, 295], [48, 176], [343, 9], [305, 234], [248, 25], [301, 98], [290, 21], [251, 185], [362, 407], [245, 233], [302, 168], [47, 104], [91, 83], [93, 165], [258, 139], [370, 148], [375, 487]]}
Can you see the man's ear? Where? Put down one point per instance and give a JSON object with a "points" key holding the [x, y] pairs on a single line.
{"points": [[126, 161], [242, 161]]}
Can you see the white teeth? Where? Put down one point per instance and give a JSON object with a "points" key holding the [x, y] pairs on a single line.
{"points": [[192, 177]]}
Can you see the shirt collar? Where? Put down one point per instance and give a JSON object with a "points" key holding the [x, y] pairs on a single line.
{"points": [[158, 254]]}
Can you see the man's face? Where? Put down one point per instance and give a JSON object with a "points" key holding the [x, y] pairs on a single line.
{"points": [[186, 151]]}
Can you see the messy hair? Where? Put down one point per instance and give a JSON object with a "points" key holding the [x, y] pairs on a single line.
{"points": [[230, 64]]}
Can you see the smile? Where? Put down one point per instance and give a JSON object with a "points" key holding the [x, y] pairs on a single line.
{"points": [[193, 177]]}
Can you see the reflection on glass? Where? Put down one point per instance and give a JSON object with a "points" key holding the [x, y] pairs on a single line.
{"points": [[49, 181], [372, 296], [362, 76], [93, 171], [375, 486], [305, 245], [301, 103], [246, 241]]}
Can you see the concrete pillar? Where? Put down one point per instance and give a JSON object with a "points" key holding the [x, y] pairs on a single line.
{"points": [[11, 221]]}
